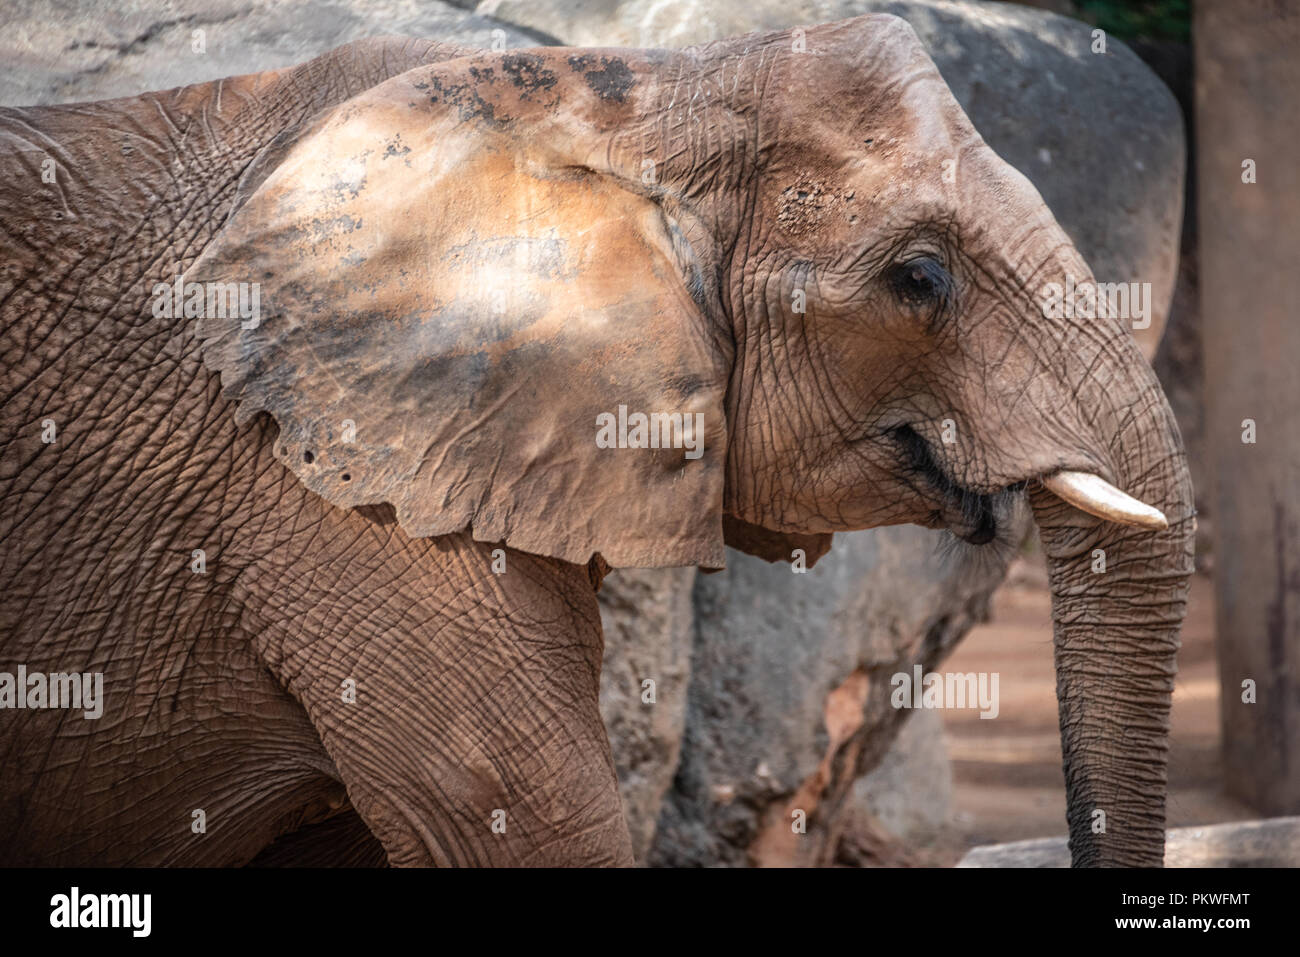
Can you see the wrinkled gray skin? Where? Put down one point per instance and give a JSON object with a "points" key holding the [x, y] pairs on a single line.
{"points": [[477, 693]]}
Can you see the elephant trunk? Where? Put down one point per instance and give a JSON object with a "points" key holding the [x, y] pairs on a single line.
{"points": [[1119, 594]]}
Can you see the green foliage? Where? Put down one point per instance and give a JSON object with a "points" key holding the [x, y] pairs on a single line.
{"points": [[1146, 19]]}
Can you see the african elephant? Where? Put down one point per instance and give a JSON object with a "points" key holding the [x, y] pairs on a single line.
{"points": [[320, 417]]}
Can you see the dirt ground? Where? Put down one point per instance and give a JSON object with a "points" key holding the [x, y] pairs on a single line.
{"points": [[1007, 779]]}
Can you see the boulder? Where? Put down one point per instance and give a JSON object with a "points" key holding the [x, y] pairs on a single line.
{"points": [[789, 697], [910, 792], [648, 623], [1098, 134], [65, 52]]}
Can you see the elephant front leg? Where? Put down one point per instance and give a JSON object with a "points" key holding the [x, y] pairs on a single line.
{"points": [[460, 707]]}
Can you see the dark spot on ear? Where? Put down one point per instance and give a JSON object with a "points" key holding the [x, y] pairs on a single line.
{"points": [[611, 81], [396, 147], [467, 101], [527, 71], [308, 458], [346, 476]]}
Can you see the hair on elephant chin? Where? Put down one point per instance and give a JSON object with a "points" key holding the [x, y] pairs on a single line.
{"points": [[772, 546]]}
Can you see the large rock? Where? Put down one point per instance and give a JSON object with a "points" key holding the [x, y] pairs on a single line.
{"points": [[900, 812], [64, 52], [910, 792], [1099, 134], [789, 700], [648, 623]]}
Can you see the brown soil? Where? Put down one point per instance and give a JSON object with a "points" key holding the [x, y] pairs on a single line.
{"points": [[1007, 778]]}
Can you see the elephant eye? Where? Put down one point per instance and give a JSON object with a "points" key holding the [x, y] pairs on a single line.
{"points": [[922, 284]]}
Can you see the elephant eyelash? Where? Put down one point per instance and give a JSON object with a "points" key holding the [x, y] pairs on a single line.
{"points": [[923, 284]]}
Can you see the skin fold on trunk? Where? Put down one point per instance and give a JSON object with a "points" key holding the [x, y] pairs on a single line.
{"points": [[1118, 599]]}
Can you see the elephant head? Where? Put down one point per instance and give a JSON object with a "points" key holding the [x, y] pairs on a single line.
{"points": [[791, 253]]}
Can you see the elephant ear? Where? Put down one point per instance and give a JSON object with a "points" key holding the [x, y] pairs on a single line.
{"points": [[457, 316]]}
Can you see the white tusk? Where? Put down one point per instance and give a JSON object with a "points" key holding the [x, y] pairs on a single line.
{"points": [[1098, 497]]}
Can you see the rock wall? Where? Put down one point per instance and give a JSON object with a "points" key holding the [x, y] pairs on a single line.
{"points": [[788, 704], [65, 52]]}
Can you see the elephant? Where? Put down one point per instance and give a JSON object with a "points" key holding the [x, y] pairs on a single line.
{"points": [[331, 393]]}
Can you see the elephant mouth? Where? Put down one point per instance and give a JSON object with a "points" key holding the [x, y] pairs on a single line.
{"points": [[972, 516]]}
